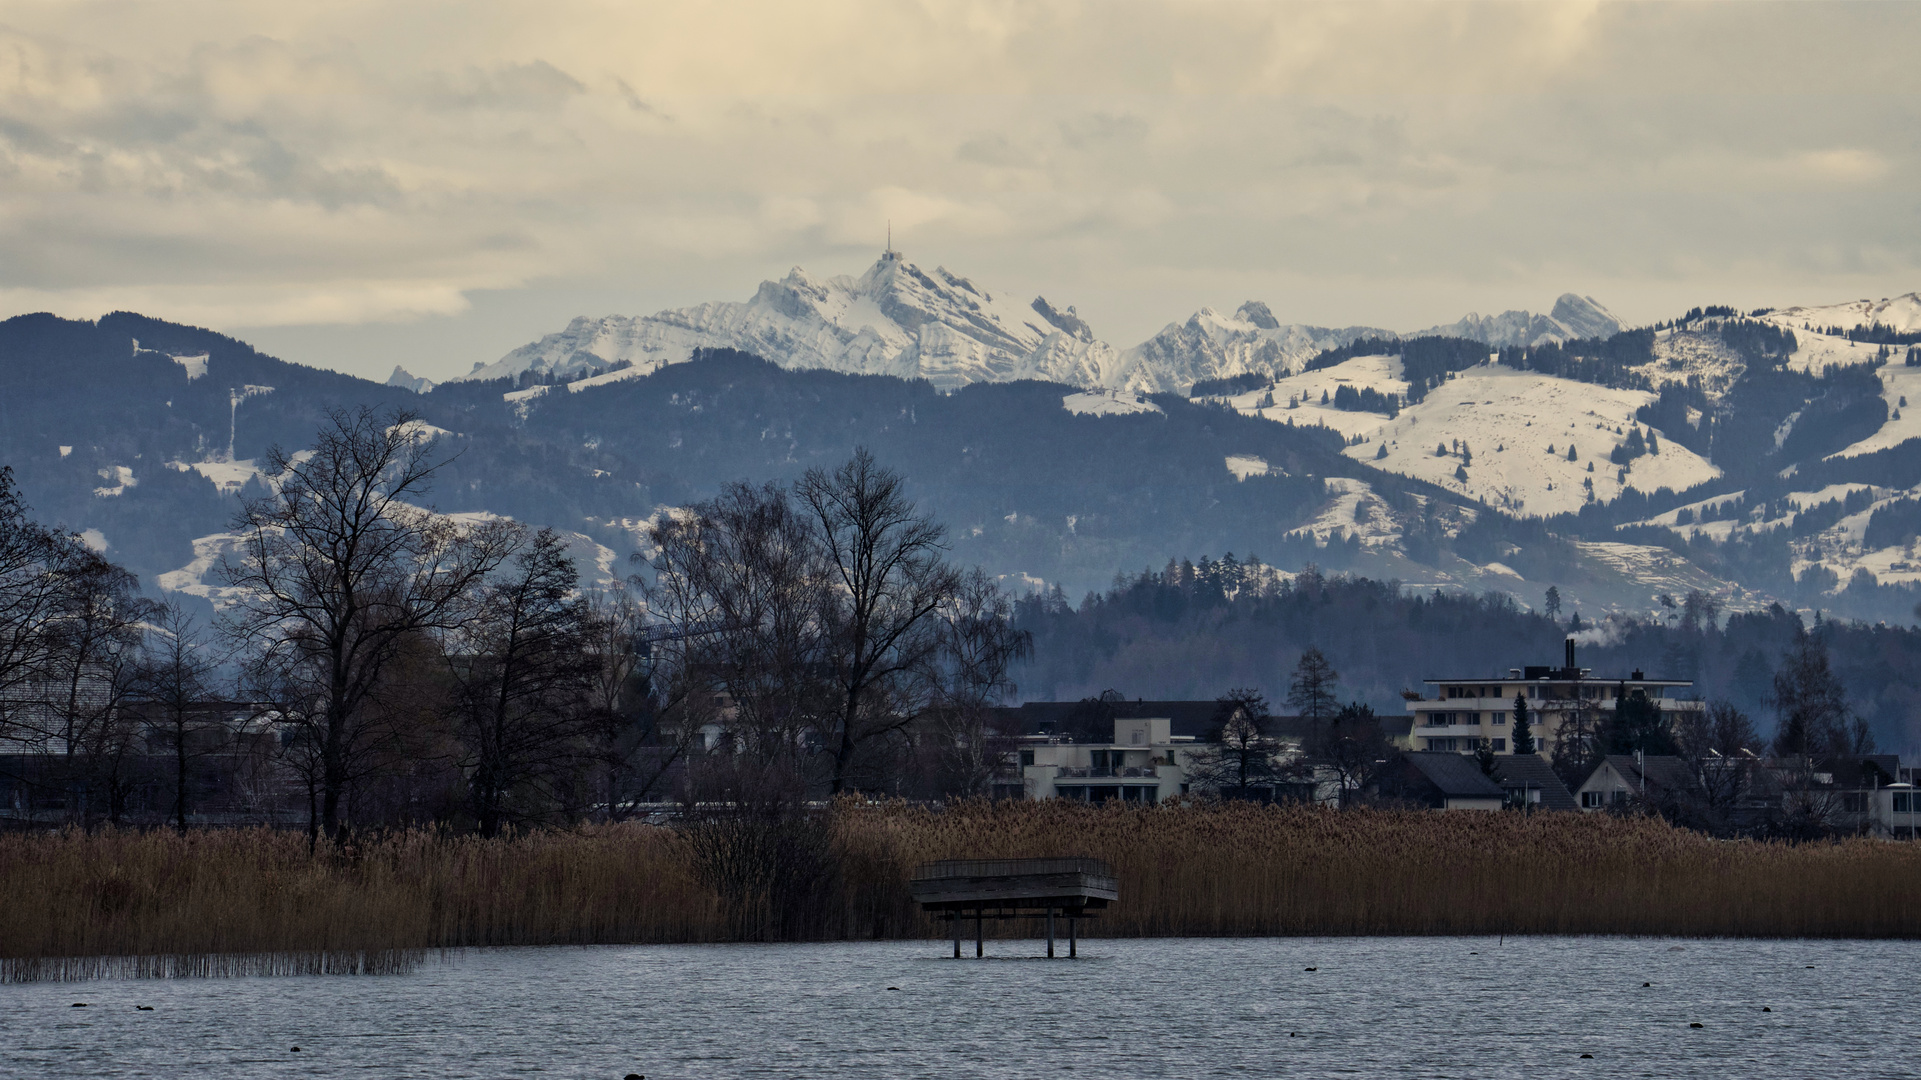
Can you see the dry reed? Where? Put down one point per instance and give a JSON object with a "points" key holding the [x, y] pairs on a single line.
{"points": [[256, 901]]}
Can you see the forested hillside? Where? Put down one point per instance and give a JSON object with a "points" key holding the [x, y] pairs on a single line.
{"points": [[1197, 630]]}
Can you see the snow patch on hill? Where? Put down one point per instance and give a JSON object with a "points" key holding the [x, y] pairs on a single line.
{"points": [[1244, 467], [1108, 403], [1510, 431], [118, 479], [1353, 510], [1304, 392]]}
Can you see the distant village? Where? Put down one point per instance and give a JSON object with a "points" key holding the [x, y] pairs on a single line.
{"points": [[1531, 739]]}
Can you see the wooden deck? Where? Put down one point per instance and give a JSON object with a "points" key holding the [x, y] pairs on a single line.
{"points": [[1073, 887]]}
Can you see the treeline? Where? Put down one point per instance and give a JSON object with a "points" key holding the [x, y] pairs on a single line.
{"points": [[377, 663], [1232, 384], [1426, 361], [1191, 630]]}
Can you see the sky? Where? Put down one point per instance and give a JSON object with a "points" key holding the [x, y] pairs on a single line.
{"points": [[357, 184]]}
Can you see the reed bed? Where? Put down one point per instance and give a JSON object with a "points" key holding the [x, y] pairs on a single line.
{"points": [[255, 901]]}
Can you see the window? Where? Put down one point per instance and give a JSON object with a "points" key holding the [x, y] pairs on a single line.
{"points": [[1500, 746], [1590, 800], [1901, 802], [1027, 757], [1619, 796], [1854, 802]]}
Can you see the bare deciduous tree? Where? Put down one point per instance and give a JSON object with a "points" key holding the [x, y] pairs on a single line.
{"points": [[177, 676], [734, 599], [1719, 744], [979, 649], [37, 568], [339, 568], [1352, 746], [1243, 744], [879, 616], [522, 679]]}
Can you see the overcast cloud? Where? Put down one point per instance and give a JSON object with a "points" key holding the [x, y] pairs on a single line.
{"points": [[355, 184]]}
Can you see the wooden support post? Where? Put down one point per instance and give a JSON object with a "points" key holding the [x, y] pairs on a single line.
{"points": [[1050, 931], [1073, 927], [954, 920], [978, 917]]}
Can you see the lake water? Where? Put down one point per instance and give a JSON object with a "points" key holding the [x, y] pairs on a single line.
{"points": [[1373, 1007]]}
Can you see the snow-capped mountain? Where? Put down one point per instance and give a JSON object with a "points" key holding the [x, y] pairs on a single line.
{"points": [[407, 380], [1572, 317], [895, 319], [1210, 345]]}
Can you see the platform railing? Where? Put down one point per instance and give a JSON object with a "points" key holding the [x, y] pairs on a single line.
{"points": [[973, 868]]}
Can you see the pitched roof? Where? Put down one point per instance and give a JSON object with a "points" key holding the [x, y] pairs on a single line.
{"points": [[1520, 771], [1456, 776], [1658, 772], [1192, 718], [1866, 770]]}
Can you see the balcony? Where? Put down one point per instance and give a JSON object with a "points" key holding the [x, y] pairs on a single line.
{"points": [[1129, 772]]}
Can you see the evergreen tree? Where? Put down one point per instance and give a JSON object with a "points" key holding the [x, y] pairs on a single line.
{"points": [[1522, 740], [1552, 606], [1310, 693]]}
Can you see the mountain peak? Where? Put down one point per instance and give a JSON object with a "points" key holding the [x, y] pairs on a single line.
{"points": [[1259, 314], [1584, 316], [408, 381]]}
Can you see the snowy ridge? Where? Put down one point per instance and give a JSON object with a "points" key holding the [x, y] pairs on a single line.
{"points": [[897, 319], [1572, 317]]}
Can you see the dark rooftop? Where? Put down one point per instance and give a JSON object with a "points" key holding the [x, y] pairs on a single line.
{"points": [[1457, 776], [1521, 771]]}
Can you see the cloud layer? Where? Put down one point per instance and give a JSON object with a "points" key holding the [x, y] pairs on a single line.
{"points": [[474, 169]]}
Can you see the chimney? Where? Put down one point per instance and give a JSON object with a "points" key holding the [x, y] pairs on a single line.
{"points": [[1570, 654]]}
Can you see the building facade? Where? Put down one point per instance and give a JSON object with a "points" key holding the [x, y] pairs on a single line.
{"points": [[1561, 701]]}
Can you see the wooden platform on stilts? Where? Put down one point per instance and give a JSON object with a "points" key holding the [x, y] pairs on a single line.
{"points": [[1073, 887]]}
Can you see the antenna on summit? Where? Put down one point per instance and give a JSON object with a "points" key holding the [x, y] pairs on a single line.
{"points": [[890, 253]]}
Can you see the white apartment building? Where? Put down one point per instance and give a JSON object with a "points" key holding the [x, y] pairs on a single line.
{"points": [[1145, 764], [1465, 711]]}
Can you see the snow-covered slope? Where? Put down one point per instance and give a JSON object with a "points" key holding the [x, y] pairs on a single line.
{"points": [[1511, 431], [1297, 398], [895, 319], [1108, 403], [1901, 314]]}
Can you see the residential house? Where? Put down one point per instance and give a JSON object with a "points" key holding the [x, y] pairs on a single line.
{"points": [[1620, 779], [1069, 737], [1531, 784], [1442, 780], [1143, 763]]}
